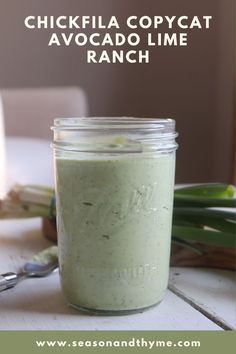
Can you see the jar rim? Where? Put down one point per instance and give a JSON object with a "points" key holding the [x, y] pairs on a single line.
{"points": [[114, 134], [160, 125]]}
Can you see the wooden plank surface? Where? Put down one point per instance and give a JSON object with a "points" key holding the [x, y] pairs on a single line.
{"points": [[213, 292], [38, 303]]}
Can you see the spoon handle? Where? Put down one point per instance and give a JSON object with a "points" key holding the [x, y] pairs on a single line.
{"points": [[8, 280]]}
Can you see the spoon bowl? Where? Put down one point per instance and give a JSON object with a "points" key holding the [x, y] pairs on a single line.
{"points": [[40, 265]]}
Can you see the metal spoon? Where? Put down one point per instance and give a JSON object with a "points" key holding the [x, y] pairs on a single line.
{"points": [[40, 265]]}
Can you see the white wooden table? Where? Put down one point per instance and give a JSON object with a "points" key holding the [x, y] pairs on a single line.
{"points": [[197, 299]]}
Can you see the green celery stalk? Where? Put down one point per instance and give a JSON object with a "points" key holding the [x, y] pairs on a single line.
{"points": [[199, 201], [215, 223], [216, 238], [213, 213], [212, 190]]}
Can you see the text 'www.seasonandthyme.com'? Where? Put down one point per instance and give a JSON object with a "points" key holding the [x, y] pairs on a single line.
{"points": [[132, 343]]}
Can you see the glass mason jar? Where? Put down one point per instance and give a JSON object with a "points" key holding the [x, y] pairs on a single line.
{"points": [[114, 196]]}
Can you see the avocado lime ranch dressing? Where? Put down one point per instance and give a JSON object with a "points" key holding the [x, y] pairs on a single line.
{"points": [[114, 215]]}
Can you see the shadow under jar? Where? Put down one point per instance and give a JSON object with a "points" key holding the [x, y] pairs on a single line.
{"points": [[114, 191]]}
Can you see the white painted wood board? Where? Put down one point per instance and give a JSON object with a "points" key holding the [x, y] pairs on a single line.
{"points": [[213, 290], [38, 304]]}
